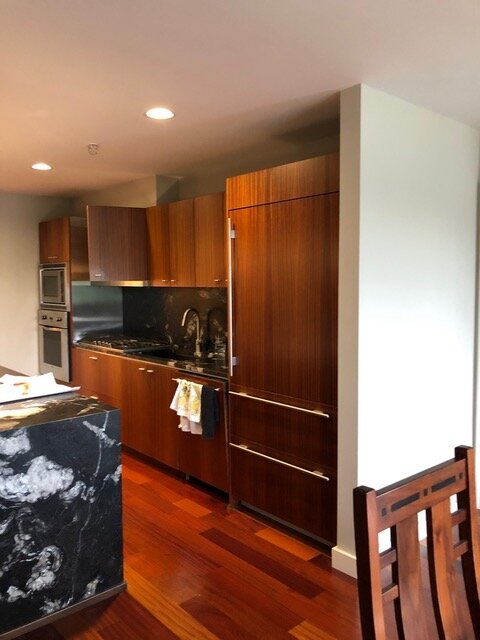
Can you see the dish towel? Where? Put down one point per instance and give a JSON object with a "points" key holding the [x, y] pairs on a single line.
{"points": [[187, 402], [209, 412]]}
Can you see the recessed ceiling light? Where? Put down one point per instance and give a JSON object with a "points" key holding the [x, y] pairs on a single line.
{"points": [[159, 113], [41, 166]]}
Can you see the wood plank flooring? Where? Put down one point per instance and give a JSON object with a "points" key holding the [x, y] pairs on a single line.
{"points": [[197, 571]]}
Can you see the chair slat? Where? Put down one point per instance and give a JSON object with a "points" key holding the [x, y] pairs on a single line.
{"points": [[406, 572]]}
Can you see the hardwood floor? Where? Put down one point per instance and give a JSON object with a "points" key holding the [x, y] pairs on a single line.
{"points": [[197, 571]]}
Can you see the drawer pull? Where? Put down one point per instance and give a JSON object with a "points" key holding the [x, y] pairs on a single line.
{"points": [[92, 358], [141, 368], [315, 412], [149, 370], [316, 473]]}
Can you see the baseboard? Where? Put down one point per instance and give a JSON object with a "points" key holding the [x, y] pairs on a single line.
{"points": [[344, 561]]}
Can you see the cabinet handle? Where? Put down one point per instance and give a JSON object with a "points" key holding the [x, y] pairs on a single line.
{"points": [[172, 280], [217, 280], [315, 412], [141, 368], [165, 280], [97, 275], [92, 358], [315, 472], [149, 370], [52, 257]]}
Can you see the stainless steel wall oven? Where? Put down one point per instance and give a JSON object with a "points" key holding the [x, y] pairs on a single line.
{"points": [[53, 343]]}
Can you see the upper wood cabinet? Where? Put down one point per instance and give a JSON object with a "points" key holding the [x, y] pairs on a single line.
{"points": [[300, 179], [65, 240], [181, 225], [158, 246], [210, 267], [54, 236], [117, 243], [186, 242]]}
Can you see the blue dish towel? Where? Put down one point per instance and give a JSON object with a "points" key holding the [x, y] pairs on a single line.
{"points": [[209, 412]]}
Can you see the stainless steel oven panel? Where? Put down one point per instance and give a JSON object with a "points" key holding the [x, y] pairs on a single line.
{"points": [[54, 285], [53, 344]]}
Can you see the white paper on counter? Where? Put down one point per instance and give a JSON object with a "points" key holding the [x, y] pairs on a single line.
{"points": [[24, 387]]}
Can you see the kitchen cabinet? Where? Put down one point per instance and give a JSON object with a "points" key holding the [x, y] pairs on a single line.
{"points": [[65, 240], [54, 236], [117, 244], [143, 390], [186, 242], [158, 246], [283, 328], [98, 374], [147, 427], [198, 457], [210, 246]]}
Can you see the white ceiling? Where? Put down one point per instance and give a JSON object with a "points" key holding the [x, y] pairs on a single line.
{"points": [[237, 73]]}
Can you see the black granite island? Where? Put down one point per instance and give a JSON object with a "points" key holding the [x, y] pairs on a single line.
{"points": [[60, 509]]}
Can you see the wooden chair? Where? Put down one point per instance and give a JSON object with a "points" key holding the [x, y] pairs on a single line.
{"points": [[450, 536]]}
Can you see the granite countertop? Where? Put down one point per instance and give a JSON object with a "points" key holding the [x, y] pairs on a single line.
{"points": [[209, 368], [48, 409]]}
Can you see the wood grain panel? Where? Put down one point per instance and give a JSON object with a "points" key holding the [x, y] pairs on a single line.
{"points": [[54, 240], [98, 374], [158, 242], [204, 459], [117, 242], [181, 223], [295, 180], [284, 316], [293, 496], [210, 267], [303, 439]]}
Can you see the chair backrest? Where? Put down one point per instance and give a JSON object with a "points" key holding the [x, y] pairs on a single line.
{"points": [[395, 575]]}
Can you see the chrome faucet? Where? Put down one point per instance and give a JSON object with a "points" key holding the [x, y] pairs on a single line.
{"points": [[198, 342]]}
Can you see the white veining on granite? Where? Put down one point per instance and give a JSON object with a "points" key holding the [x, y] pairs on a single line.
{"points": [[91, 588], [42, 479], [49, 561], [100, 432], [78, 489], [17, 443]]}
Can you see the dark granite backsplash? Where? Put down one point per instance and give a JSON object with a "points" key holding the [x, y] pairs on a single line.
{"points": [[155, 312]]}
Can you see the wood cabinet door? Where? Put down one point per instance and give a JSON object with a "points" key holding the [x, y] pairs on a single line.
{"points": [[98, 374], [205, 459], [210, 267], [139, 397], [54, 240], [181, 222], [166, 419], [117, 244], [284, 292], [158, 246], [147, 424]]}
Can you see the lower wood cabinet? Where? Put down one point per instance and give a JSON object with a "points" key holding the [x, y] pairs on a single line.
{"points": [[143, 391], [283, 461], [98, 374], [205, 459]]}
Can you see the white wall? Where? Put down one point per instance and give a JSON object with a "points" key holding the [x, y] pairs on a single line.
{"points": [[407, 244], [19, 218]]}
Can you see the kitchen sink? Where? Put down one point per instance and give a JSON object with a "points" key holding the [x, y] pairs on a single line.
{"points": [[171, 355]]}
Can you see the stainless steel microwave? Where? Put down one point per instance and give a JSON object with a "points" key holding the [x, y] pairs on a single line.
{"points": [[54, 286]]}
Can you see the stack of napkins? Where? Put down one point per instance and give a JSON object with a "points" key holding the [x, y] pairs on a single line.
{"points": [[24, 387]]}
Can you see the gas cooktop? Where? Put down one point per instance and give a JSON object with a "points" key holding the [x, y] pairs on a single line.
{"points": [[121, 344]]}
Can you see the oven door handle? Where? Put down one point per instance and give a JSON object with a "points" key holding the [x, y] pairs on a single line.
{"points": [[49, 328]]}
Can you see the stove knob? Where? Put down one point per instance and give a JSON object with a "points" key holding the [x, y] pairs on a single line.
{"points": [[59, 319], [44, 317]]}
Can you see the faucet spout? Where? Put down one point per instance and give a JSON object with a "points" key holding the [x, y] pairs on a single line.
{"points": [[198, 341]]}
